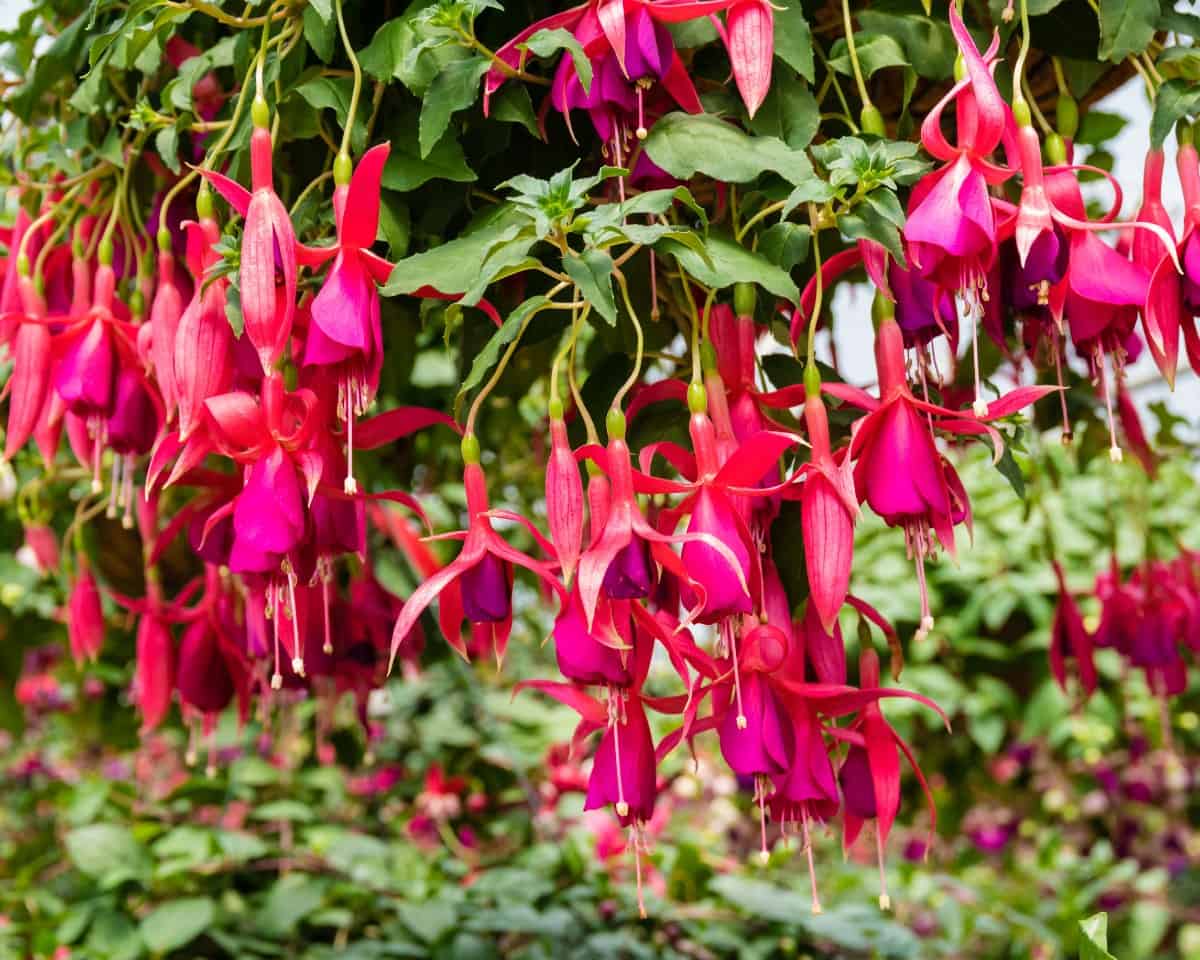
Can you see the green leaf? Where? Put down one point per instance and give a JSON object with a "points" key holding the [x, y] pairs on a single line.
{"points": [[293, 897], [514, 106], [383, 56], [452, 267], [789, 113], [1176, 99], [785, 244], [176, 923], [728, 263], [1094, 931], [166, 142], [408, 169], [685, 144], [108, 851], [455, 88], [430, 920], [322, 8], [289, 810], [395, 223], [592, 273], [320, 33], [927, 42], [1126, 26], [545, 43], [1098, 126], [876, 51], [489, 356], [55, 64], [793, 38], [871, 221]]}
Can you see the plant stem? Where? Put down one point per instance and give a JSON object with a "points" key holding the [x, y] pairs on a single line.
{"points": [[819, 277], [352, 111], [852, 50], [637, 326]]}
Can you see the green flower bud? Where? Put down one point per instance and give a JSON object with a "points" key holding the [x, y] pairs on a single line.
{"points": [[1056, 150], [745, 298], [1021, 112], [871, 121], [470, 448], [342, 169], [260, 113], [812, 381], [164, 240], [697, 397], [1066, 116], [614, 423]]}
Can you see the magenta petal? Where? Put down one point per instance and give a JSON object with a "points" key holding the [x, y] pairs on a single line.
{"points": [[1101, 274], [269, 515], [84, 378], [764, 745], [636, 787], [712, 514], [581, 657], [487, 590], [342, 309]]}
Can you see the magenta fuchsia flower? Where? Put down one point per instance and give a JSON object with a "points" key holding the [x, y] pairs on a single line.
{"points": [[85, 618], [1070, 640], [267, 233], [899, 471], [344, 335], [1173, 298], [29, 385], [482, 572], [951, 229]]}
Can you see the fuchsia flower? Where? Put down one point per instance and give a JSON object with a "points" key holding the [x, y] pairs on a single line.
{"points": [[899, 471], [1069, 640], [951, 229], [564, 499], [344, 335], [1173, 299], [154, 678], [267, 234], [29, 384], [85, 618], [631, 52], [482, 572]]}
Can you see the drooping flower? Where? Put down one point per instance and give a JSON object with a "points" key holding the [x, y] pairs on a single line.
{"points": [[267, 310], [344, 335], [1070, 640], [482, 573], [85, 618]]}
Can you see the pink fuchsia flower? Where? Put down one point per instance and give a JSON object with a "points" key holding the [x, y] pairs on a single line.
{"points": [[599, 655], [165, 312], [85, 618], [899, 471], [1070, 640], [951, 230], [154, 676], [621, 561], [267, 311], [870, 774], [482, 573], [344, 335], [203, 354], [1173, 300], [828, 512], [28, 385], [564, 498]]}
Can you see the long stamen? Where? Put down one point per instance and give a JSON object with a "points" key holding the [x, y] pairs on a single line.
{"points": [[741, 721], [615, 723], [350, 485], [97, 427], [812, 870], [635, 836], [277, 676], [114, 488], [885, 902], [127, 493], [1062, 392], [760, 795], [1115, 454], [640, 132], [297, 643], [919, 548], [979, 407], [327, 649]]}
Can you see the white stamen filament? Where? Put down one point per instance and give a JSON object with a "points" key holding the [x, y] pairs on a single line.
{"points": [[297, 643], [885, 902], [812, 871], [114, 488]]}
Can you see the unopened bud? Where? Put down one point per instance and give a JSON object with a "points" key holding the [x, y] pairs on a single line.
{"points": [[260, 113], [1066, 116], [745, 298], [1021, 112], [470, 448], [697, 397], [871, 121], [614, 423], [342, 169]]}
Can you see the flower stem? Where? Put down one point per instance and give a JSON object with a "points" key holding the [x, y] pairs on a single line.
{"points": [[637, 326], [852, 50], [352, 111], [819, 296]]}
